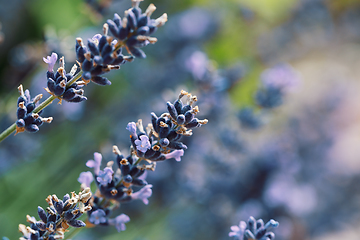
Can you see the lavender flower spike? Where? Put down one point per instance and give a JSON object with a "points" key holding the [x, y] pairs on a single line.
{"points": [[51, 60], [86, 178], [119, 222], [177, 154], [95, 163], [143, 144], [105, 176], [143, 194]]}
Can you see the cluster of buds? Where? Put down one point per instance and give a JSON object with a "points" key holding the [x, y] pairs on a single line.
{"points": [[253, 230], [127, 182], [161, 140], [56, 219], [57, 83], [134, 30], [27, 119], [103, 53]]}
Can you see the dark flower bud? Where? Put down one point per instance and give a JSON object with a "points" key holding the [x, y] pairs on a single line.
{"points": [[134, 171], [189, 116], [139, 182], [30, 107], [154, 119], [123, 33], [20, 123], [127, 179], [68, 215], [177, 145], [113, 27], [178, 106], [93, 47], [171, 110], [32, 128], [164, 142], [35, 236], [102, 43], [101, 80], [143, 30], [143, 21], [132, 21], [59, 206], [260, 233], [42, 214], [78, 98], [76, 223], [180, 119], [41, 226], [137, 52], [87, 65], [252, 224], [125, 168], [193, 123], [186, 108]]}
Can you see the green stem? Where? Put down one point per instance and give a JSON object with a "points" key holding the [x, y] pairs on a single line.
{"points": [[43, 105]]}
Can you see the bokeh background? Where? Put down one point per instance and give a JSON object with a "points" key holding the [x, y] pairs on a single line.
{"points": [[300, 167]]}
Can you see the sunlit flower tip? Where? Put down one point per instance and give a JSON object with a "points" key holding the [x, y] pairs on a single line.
{"points": [[86, 178], [96, 37], [238, 231], [95, 163], [119, 222], [143, 194], [97, 217], [105, 176], [177, 154], [131, 127], [51, 60], [143, 144], [271, 224]]}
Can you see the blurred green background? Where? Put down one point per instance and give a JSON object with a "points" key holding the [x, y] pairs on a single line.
{"points": [[49, 162]]}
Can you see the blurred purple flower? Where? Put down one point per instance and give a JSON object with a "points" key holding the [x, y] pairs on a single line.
{"points": [[105, 176], [143, 194], [95, 163], [97, 217], [282, 76], [143, 144], [119, 222], [51, 60], [238, 231], [197, 64], [175, 154], [86, 178]]}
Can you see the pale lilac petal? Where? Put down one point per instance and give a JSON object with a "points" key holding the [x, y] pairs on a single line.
{"points": [[86, 178], [234, 228], [105, 176], [51, 60], [119, 222], [95, 163], [143, 144], [131, 127], [143, 194], [97, 217], [177, 154], [96, 37]]}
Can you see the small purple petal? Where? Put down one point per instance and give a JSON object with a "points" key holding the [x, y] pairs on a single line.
{"points": [[51, 60], [105, 176], [86, 178], [131, 127], [143, 194], [95, 163], [143, 144], [119, 222], [177, 154], [97, 217]]}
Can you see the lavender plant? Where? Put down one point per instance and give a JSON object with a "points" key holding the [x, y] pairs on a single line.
{"points": [[158, 141]]}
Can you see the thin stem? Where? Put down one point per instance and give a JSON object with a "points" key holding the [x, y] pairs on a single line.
{"points": [[43, 105]]}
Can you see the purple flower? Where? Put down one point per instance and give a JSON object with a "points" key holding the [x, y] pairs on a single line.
{"points": [[119, 222], [143, 144], [238, 231], [86, 178], [175, 154], [105, 177], [51, 60], [131, 127], [95, 163], [143, 194], [282, 76], [97, 217]]}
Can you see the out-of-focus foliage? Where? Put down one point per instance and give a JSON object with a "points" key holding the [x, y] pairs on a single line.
{"points": [[301, 168]]}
